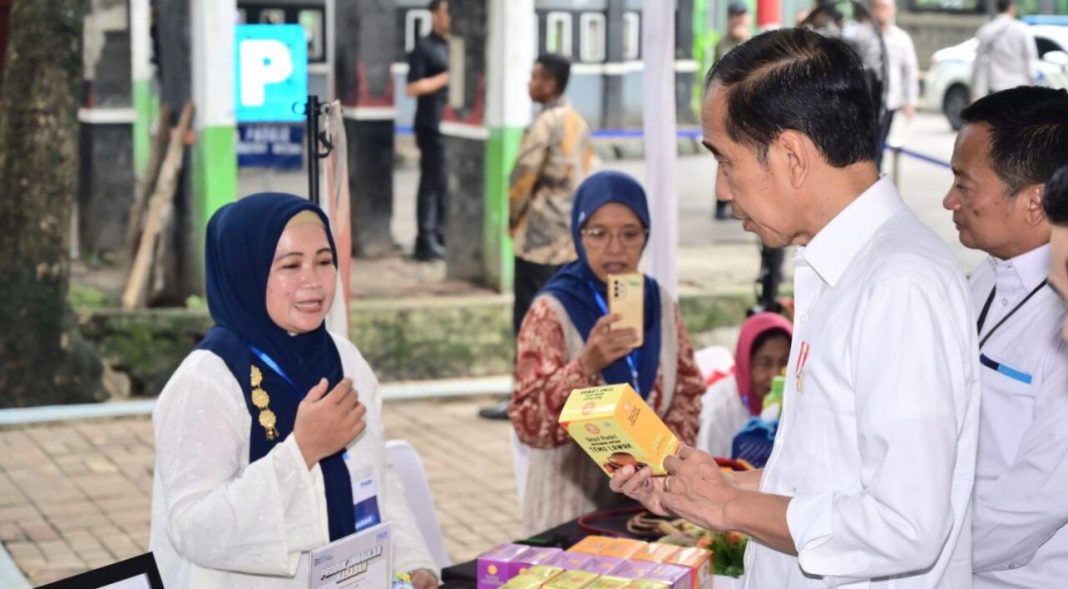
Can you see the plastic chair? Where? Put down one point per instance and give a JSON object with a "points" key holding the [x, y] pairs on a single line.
{"points": [[408, 465]]}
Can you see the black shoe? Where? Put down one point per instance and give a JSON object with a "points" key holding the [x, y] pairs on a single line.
{"points": [[428, 253], [498, 411]]}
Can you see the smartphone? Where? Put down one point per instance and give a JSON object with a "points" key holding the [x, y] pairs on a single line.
{"points": [[626, 298]]}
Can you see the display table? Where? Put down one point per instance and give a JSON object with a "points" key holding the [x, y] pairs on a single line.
{"points": [[462, 575]]}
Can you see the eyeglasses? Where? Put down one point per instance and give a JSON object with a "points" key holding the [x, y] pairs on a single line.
{"points": [[630, 237]]}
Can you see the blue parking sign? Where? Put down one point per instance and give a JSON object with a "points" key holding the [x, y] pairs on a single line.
{"points": [[271, 67]]}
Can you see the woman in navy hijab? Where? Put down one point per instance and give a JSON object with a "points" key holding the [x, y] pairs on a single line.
{"points": [[270, 423], [567, 342]]}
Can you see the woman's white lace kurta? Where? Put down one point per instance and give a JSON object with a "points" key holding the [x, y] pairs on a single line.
{"points": [[218, 521]]}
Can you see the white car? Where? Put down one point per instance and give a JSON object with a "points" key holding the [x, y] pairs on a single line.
{"points": [[946, 84]]}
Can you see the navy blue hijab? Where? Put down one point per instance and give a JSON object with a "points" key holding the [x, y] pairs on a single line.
{"points": [[241, 242], [574, 284]]}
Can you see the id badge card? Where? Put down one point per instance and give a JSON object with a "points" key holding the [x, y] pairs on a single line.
{"points": [[362, 560], [364, 497]]}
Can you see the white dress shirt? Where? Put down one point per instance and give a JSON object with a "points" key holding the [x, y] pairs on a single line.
{"points": [[1021, 483], [878, 436], [218, 521], [1006, 57], [902, 71]]}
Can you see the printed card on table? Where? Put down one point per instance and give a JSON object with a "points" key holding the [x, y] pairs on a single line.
{"points": [[358, 561]]}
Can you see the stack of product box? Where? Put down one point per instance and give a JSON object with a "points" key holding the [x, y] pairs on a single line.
{"points": [[597, 562]]}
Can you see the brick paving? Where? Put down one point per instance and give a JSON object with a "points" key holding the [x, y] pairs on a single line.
{"points": [[77, 495]]}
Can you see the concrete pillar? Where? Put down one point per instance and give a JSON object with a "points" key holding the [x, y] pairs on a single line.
{"points": [[612, 114], [171, 45], [214, 161], [484, 121], [364, 44], [465, 142], [141, 82], [659, 99], [106, 180], [508, 108], [685, 65]]}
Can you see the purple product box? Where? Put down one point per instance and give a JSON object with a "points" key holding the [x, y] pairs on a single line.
{"points": [[634, 569], [536, 555], [678, 576], [603, 565], [571, 561], [499, 565]]}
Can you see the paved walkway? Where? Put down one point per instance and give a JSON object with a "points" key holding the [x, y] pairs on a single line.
{"points": [[77, 495]]}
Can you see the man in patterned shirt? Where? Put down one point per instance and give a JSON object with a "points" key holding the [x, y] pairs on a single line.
{"points": [[554, 158]]}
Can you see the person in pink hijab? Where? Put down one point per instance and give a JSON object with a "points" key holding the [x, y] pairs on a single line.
{"points": [[763, 351]]}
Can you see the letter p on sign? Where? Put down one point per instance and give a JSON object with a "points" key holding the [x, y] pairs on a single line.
{"points": [[272, 73], [263, 62]]}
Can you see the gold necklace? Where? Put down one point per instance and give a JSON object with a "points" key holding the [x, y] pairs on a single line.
{"points": [[261, 400]]}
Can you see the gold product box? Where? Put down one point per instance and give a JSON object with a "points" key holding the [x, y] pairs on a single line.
{"points": [[609, 583], [571, 580], [615, 426], [647, 584], [524, 581], [543, 571]]}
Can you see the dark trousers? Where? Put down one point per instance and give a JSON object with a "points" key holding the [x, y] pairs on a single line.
{"points": [[430, 202], [529, 278], [884, 131]]}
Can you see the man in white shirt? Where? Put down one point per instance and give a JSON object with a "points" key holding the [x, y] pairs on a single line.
{"points": [[1010, 144], [901, 85], [1055, 203], [871, 474], [1007, 54]]}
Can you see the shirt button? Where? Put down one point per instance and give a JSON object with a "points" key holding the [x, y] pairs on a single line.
{"points": [[804, 319], [1004, 302]]}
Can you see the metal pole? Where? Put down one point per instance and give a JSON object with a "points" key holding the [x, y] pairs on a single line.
{"points": [[896, 174], [312, 130], [658, 109]]}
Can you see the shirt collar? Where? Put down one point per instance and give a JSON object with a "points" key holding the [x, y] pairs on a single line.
{"points": [[555, 102], [1030, 268], [832, 249]]}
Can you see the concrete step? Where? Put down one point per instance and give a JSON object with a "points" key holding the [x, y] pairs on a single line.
{"points": [[402, 339]]}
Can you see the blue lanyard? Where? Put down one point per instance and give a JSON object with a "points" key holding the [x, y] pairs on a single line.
{"points": [[273, 365], [634, 356], [269, 361]]}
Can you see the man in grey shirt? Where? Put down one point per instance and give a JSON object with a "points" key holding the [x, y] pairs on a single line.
{"points": [[1007, 54]]}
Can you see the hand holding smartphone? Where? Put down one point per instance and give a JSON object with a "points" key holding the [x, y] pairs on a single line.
{"points": [[626, 298]]}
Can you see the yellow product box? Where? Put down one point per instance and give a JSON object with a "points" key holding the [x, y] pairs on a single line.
{"points": [[609, 583], [655, 552], [524, 582], [647, 584], [616, 428], [543, 571], [624, 548], [571, 580], [699, 561]]}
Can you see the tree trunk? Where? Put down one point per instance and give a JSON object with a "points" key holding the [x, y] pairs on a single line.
{"points": [[43, 359]]}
